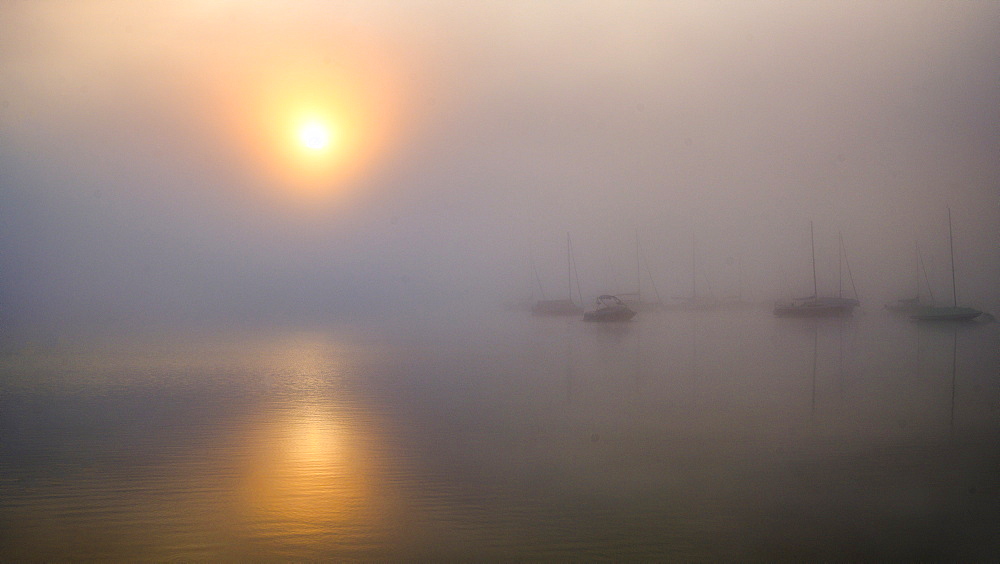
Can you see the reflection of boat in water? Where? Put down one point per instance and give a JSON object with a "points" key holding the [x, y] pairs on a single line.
{"points": [[609, 308], [814, 306], [953, 312]]}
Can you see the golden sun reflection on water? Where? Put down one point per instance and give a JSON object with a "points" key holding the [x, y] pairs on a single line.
{"points": [[233, 448], [314, 477], [303, 467]]}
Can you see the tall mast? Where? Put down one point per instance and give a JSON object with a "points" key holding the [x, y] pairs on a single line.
{"points": [[812, 244], [951, 251]]}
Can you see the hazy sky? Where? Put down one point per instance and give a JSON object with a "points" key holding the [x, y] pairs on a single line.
{"points": [[150, 167]]}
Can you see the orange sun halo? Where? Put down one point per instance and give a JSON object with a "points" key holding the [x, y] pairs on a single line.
{"points": [[306, 133], [312, 151]]}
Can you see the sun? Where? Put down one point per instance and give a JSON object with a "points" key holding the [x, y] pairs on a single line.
{"points": [[314, 135]]}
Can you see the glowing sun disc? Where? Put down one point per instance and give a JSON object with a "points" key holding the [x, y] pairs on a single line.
{"points": [[314, 136]]}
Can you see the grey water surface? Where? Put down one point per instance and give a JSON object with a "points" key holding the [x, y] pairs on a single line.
{"points": [[694, 436]]}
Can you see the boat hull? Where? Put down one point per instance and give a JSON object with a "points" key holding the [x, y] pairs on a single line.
{"points": [[611, 313], [946, 313]]}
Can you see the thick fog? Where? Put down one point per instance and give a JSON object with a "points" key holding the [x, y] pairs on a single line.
{"points": [[146, 174]]}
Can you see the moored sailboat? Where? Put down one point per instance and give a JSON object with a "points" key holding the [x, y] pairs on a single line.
{"points": [[954, 312], [912, 305], [815, 306], [634, 300], [565, 306]]}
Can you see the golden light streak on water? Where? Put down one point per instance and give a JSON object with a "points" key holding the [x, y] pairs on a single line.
{"points": [[315, 473]]}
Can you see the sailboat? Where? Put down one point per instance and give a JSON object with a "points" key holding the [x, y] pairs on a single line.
{"points": [[952, 312], [634, 299], [842, 261], [917, 302], [695, 302], [815, 306], [562, 306]]}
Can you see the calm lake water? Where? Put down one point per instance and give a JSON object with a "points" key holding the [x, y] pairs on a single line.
{"points": [[711, 436]]}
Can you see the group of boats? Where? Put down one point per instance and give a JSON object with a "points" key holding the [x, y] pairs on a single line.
{"points": [[607, 307], [624, 307], [916, 307]]}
